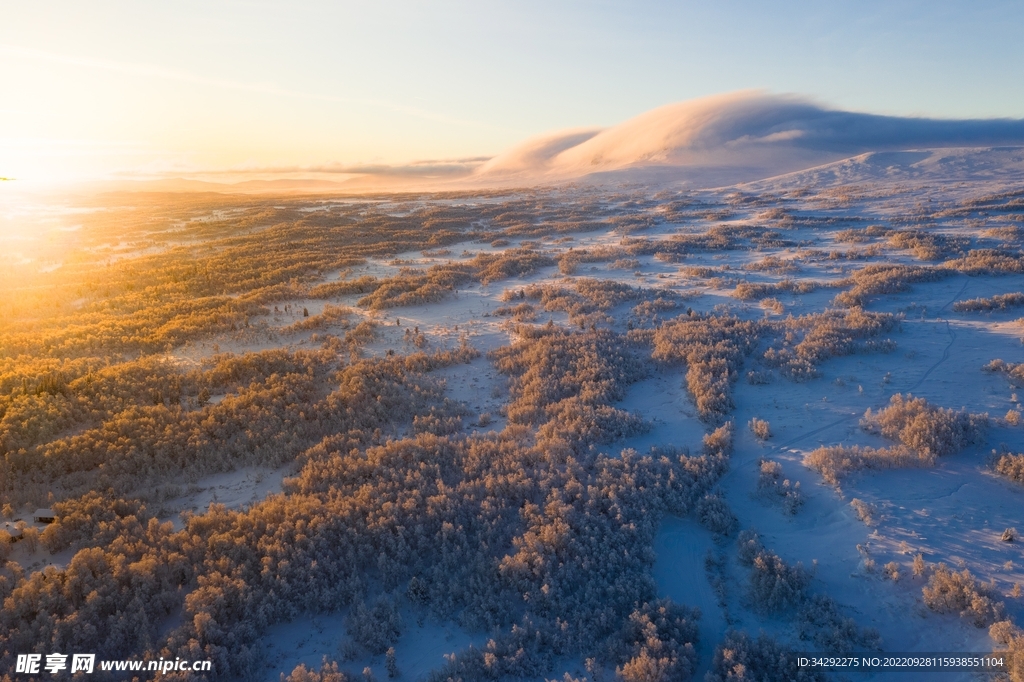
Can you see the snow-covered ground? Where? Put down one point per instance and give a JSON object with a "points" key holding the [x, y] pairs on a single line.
{"points": [[309, 639], [233, 489], [953, 512]]}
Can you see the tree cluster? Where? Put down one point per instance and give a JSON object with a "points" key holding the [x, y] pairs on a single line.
{"points": [[742, 658], [997, 302], [713, 348], [1014, 371], [927, 430], [875, 279], [951, 592], [1011, 466], [774, 489]]}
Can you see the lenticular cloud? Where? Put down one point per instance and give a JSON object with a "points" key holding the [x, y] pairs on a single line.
{"points": [[734, 138]]}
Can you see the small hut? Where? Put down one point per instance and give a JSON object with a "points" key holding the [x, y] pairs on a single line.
{"points": [[44, 516]]}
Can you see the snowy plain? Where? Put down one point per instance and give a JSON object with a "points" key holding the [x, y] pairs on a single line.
{"points": [[953, 512]]}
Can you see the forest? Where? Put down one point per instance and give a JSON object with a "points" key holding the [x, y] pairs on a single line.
{"points": [[187, 336]]}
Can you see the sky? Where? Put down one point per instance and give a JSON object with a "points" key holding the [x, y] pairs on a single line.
{"points": [[148, 89]]}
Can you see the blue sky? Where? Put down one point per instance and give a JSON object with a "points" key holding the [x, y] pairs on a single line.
{"points": [[98, 87]]}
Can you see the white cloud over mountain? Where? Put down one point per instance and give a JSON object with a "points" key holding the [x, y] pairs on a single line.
{"points": [[732, 138], [714, 141]]}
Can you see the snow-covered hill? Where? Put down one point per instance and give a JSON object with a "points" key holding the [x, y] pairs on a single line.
{"points": [[739, 137], [998, 165]]}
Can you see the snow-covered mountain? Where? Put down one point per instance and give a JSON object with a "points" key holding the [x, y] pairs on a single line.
{"points": [[739, 137]]}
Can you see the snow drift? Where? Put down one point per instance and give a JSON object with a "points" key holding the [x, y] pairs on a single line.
{"points": [[732, 138]]}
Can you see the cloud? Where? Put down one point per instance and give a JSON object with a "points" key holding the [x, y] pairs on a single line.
{"points": [[320, 178], [423, 168], [708, 142], [537, 151], [753, 133], [433, 167], [781, 136]]}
